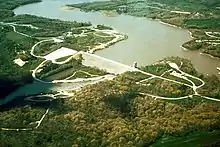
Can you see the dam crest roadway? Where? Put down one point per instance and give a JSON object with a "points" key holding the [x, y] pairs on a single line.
{"points": [[112, 68]]}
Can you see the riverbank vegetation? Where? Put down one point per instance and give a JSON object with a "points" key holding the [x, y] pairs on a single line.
{"points": [[44, 27], [113, 113], [14, 46], [6, 7], [103, 27], [108, 113], [194, 15], [19, 33], [87, 41]]}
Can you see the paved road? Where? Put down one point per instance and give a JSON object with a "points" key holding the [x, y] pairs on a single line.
{"points": [[78, 83]]}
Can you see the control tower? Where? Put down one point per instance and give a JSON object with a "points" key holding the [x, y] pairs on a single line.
{"points": [[135, 64]]}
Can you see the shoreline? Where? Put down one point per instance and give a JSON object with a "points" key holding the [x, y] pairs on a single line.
{"points": [[109, 13], [68, 8], [175, 26], [105, 47], [183, 48], [71, 8], [201, 53], [191, 36], [168, 24], [211, 56]]}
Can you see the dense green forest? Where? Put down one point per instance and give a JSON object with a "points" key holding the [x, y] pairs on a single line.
{"points": [[30, 30], [14, 46], [112, 113], [6, 7], [47, 27], [11, 46], [11, 76], [12, 4]]}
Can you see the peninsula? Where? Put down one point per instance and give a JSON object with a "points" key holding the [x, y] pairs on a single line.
{"points": [[93, 101], [200, 18]]}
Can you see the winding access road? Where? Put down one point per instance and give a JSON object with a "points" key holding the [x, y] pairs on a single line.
{"points": [[95, 79]]}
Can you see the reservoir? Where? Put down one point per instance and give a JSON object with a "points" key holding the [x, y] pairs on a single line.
{"points": [[148, 41]]}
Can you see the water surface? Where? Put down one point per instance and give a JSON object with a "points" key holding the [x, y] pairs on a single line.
{"points": [[148, 41]]}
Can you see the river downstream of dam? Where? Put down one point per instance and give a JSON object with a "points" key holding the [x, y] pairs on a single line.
{"points": [[148, 41]]}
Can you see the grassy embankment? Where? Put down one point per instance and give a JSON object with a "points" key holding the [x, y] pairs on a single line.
{"points": [[74, 67]]}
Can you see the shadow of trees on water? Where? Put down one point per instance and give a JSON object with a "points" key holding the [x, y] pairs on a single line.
{"points": [[10, 84], [17, 90]]}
